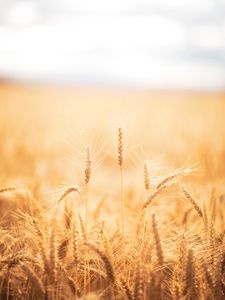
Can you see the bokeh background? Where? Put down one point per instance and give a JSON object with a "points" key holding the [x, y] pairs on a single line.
{"points": [[176, 44]]}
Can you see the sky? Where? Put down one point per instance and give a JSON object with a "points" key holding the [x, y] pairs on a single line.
{"points": [[162, 44]]}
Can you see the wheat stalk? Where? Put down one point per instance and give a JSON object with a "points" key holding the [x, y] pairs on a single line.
{"points": [[120, 160]]}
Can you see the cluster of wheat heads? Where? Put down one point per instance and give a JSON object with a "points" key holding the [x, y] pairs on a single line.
{"points": [[178, 256]]}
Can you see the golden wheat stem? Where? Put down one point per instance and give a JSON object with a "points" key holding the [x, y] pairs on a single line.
{"points": [[121, 199], [120, 159], [87, 177]]}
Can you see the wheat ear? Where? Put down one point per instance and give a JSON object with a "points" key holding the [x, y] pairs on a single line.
{"points": [[63, 248], [7, 189], [138, 287], [105, 259], [153, 196], [88, 162], [192, 201], [34, 279], [69, 190], [76, 256], [146, 176], [128, 291]]}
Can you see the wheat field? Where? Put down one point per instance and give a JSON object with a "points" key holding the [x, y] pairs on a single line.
{"points": [[111, 194]]}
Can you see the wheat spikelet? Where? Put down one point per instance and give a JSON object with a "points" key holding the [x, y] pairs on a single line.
{"points": [[44, 258], [208, 277], [7, 189], [69, 190], [189, 276], [172, 176], [120, 156], [128, 291], [146, 176], [87, 171], [37, 228], [159, 250], [104, 241], [193, 202], [76, 256], [138, 286], [73, 287], [40, 290], [175, 288], [153, 196], [63, 248], [14, 260], [107, 263]]}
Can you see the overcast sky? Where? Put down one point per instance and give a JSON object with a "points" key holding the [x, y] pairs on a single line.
{"points": [[154, 44]]}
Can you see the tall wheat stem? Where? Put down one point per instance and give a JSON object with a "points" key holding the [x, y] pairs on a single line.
{"points": [[120, 160], [121, 199], [87, 174]]}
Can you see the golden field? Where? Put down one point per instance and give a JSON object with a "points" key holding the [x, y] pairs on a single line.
{"points": [[111, 194]]}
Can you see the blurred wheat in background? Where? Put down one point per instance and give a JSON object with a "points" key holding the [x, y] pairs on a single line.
{"points": [[112, 156]]}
